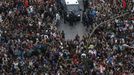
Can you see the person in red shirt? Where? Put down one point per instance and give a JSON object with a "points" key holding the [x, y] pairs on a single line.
{"points": [[26, 3], [75, 59]]}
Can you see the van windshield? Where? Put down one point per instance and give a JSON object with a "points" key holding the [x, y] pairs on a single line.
{"points": [[74, 8]]}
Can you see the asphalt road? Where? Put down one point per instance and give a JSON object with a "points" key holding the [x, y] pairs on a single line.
{"points": [[72, 31]]}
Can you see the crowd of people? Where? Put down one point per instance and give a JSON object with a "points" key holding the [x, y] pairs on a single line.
{"points": [[30, 43], [97, 11]]}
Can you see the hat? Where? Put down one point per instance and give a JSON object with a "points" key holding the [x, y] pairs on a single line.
{"points": [[30, 24], [116, 20], [91, 47], [133, 21]]}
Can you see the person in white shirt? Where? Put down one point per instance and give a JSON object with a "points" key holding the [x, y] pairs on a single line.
{"points": [[83, 55], [57, 18], [30, 9], [1, 18], [132, 9]]}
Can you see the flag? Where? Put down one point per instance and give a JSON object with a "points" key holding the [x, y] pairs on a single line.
{"points": [[124, 4]]}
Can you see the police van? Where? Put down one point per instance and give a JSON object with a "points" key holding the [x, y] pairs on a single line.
{"points": [[72, 8]]}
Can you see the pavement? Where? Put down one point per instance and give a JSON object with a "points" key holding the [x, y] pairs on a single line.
{"points": [[72, 31]]}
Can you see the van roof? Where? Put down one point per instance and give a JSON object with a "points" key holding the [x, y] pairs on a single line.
{"points": [[71, 2]]}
